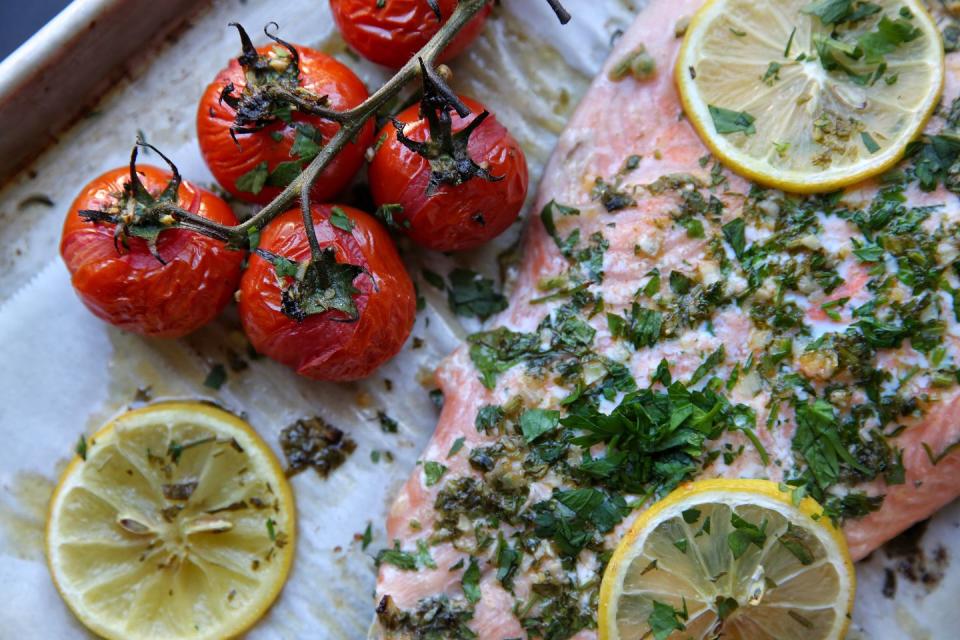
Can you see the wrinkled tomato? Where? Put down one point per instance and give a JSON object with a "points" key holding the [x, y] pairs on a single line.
{"points": [[390, 33], [128, 286], [329, 345], [256, 166], [455, 217]]}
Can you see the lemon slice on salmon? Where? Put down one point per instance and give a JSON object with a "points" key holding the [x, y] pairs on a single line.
{"points": [[810, 95], [173, 521], [731, 559]]}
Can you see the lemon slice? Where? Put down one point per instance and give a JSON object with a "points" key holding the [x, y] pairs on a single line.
{"points": [[729, 558], [178, 524], [810, 95]]}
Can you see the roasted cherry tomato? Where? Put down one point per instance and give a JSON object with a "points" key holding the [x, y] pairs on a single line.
{"points": [[255, 143], [329, 345], [390, 33], [188, 281], [455, 216]]}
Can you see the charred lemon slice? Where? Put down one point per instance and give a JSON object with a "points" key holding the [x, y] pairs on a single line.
{"points": [[173, 521], [810, 96], [730, 559]]}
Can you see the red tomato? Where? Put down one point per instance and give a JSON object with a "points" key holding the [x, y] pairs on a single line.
{"points": [[390, 35], [129, 287], [324, 346], [231, 160], [455, 217]]}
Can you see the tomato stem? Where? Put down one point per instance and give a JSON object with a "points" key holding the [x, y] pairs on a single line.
{"points": [[351, 121], [307, 213], [562, 14]]}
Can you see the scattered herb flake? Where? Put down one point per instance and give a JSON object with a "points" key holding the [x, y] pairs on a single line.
{"points": [[471, 582], [400, 559], [508, 562], [432, 472], [472, 295], [216, 377], [869, 142], [536, 422], [795, 543], [726, 606], [271, 529], [387, 424], [434, 279], [734, 232], [340, 219], [729, 121], [744, 534], [772, 74], [456, 447], [786, 50], [709, 364], [367, 537], [664, 620], [253, 180]]}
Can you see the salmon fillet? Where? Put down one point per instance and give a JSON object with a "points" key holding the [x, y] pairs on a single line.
{"points": [[822, 331]]}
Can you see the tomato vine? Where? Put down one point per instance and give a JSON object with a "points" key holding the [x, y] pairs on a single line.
{"points": [[351, 121]]}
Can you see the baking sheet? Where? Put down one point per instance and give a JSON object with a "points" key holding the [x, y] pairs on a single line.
{"points": [[64, 372]]}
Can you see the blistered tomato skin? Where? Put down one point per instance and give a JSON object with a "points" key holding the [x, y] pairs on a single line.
{"points": [[324, 346], [130, 288], [457, 217], [390, 35], [229, 160]]}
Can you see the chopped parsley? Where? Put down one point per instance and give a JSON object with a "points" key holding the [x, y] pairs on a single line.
{"points": [[387, 424], [641, 327], [456, 447], [578, 517], [664, 620], [656, 439], [472, 295], [744, 534], [407, 561], [734, 232], [340, 219], [81, 448], [833, 12], [216, 377], [772, 74], [508, 562], [253, 180], [611, 196], [272, 529], [536, 422], [434, 279], [796, 542], [868, 142], [471, 582], [729, 121], [432, 472], [549, 214]]}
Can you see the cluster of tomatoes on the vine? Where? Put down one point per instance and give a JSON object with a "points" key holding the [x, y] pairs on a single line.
{"points": [[337, 314]]}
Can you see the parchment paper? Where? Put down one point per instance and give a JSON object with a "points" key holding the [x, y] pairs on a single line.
{"points": [[63, 373]]}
